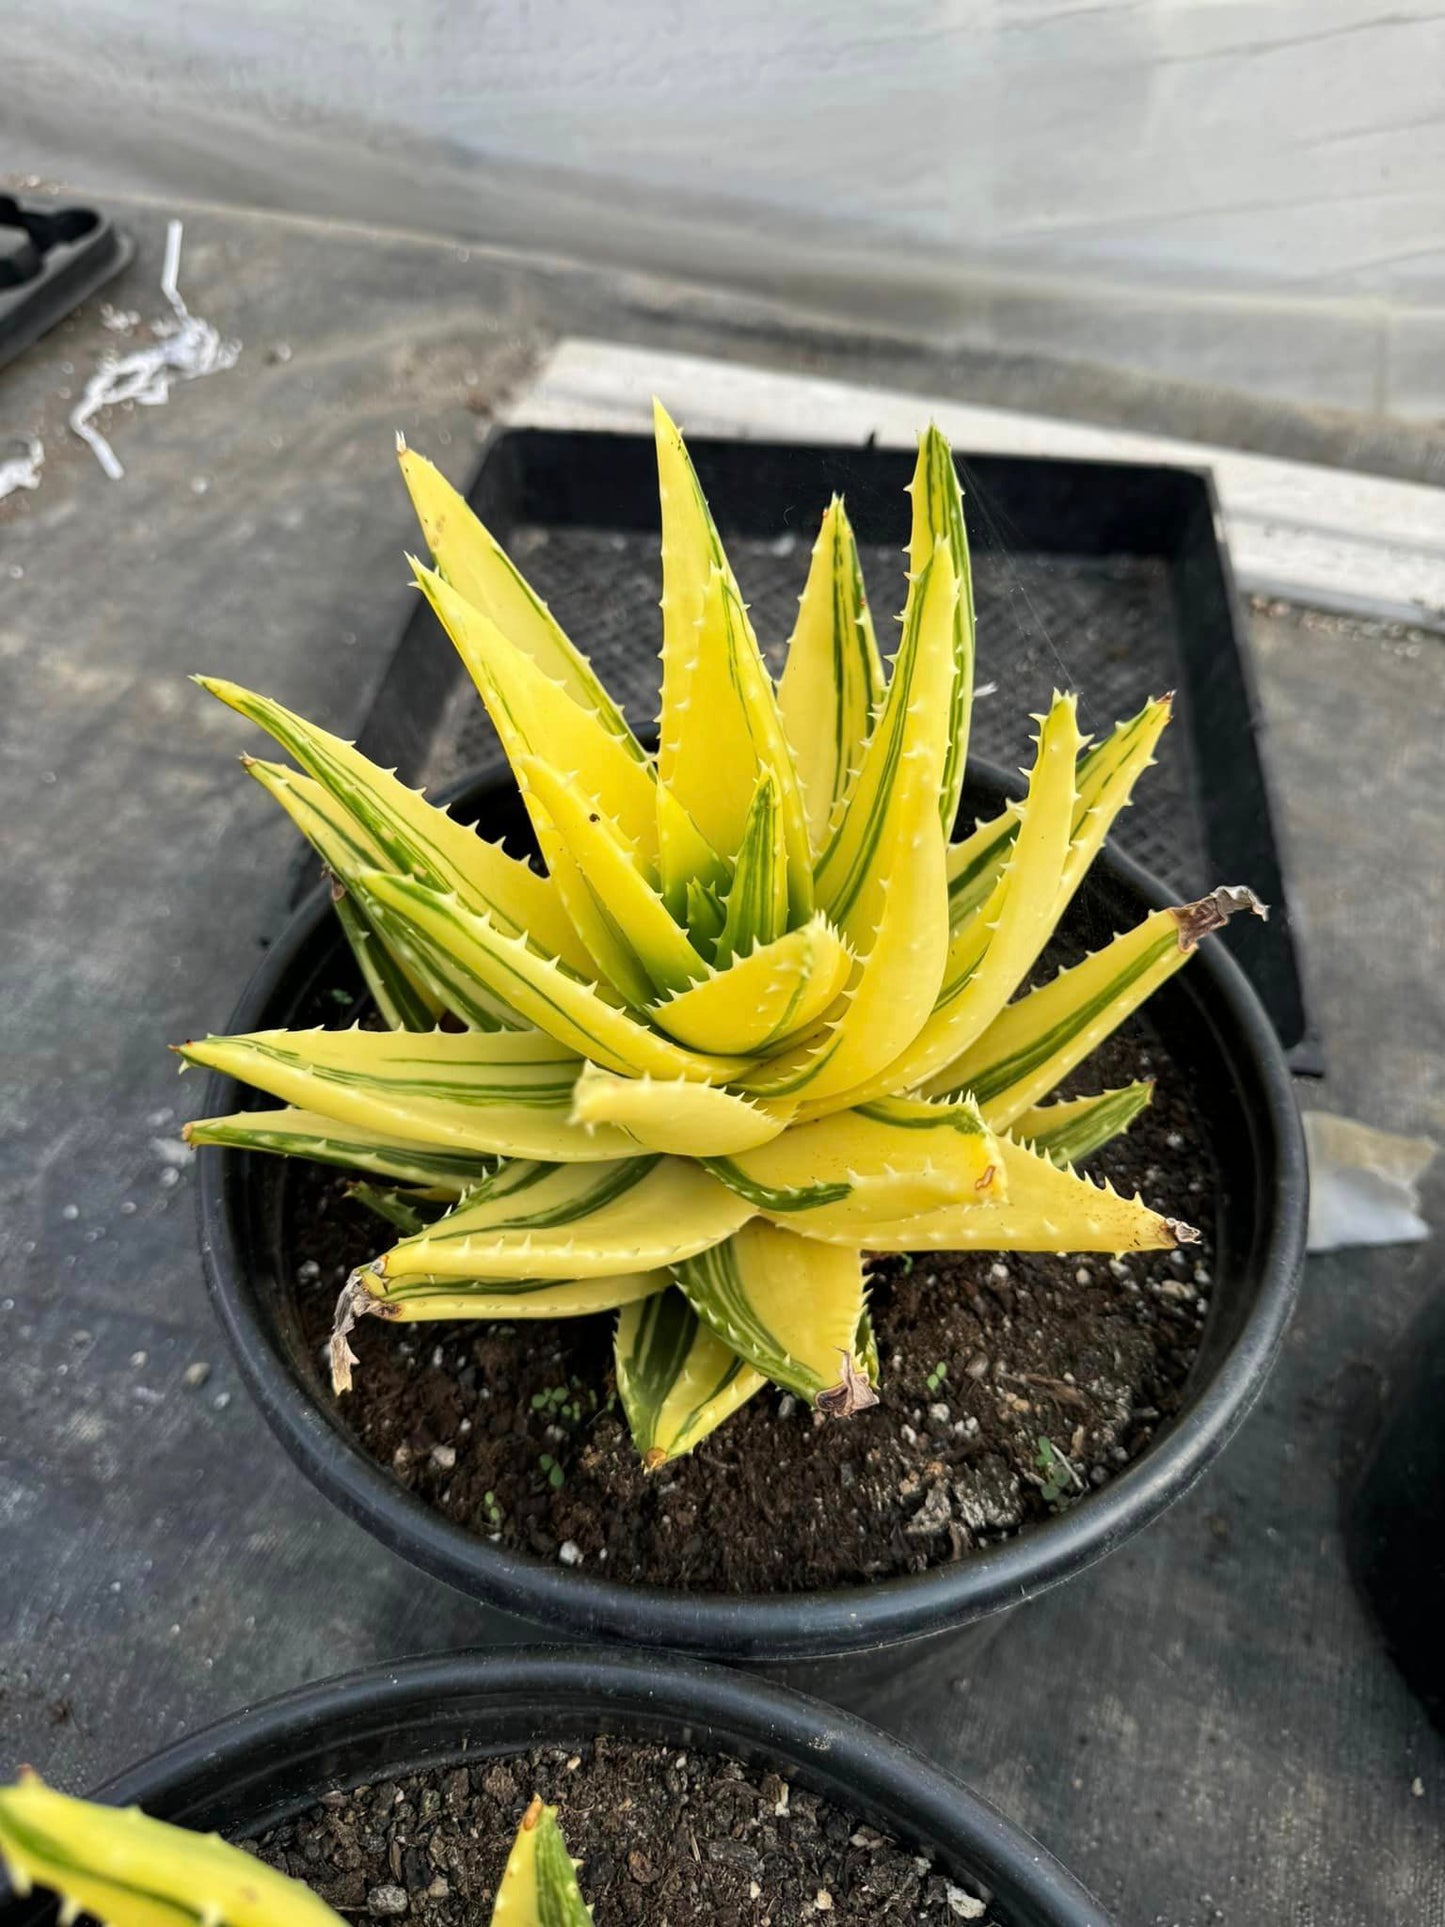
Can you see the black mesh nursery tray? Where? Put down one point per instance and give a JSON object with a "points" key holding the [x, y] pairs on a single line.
{"points": [[1105, 577]]}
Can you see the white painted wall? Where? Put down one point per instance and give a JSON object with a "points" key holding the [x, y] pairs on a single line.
{"points": [[1221, 188]]}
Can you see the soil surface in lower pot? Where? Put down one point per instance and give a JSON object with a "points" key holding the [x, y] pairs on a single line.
{"points": [[1012, 1386], [662, 1836]]}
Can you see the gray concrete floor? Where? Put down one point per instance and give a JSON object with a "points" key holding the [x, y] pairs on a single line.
{"points": [[163, 1562]]}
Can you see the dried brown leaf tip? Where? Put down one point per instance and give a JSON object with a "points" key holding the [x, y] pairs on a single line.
{"points": [[851, 1394], [1197, 920]]}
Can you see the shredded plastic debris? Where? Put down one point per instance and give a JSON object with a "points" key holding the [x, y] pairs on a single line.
{"points": [[184, 348], [1364, 1184], [23, 471]]}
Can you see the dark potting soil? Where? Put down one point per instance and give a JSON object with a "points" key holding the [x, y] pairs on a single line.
{"points": [[1011, 1388], [689, 1839]]}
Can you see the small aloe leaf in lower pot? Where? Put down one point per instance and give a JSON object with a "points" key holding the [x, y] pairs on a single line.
{"points": [[132, 1871]]}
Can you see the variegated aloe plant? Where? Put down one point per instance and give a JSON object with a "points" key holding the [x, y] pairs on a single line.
{"points": [[758, 1018], [128, 1870]]}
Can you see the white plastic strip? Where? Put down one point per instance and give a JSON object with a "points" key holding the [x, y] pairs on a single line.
{"points": [[184, 348], [1325, 537]]}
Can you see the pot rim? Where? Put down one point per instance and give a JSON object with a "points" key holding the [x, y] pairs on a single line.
{"points": [[781, 1626], [842, 1756]]}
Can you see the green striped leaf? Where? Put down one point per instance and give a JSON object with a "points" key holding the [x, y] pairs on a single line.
{"points": [[888, 897], [568, 1221], [309, 1134], [416, 839], [624, 923], [755, 909], [399, 1209], [1103, 784], [535, 716], [1106, 779], [990, 956], [510, 1300], [790, 1306], [832, 681], [505, 1093], [131, 1871], [938, 515], [1036, 1042], [857, 1169], [470, 560], [676, 1378], [1070, 1129], [763, 1000], [539, 1883], [401, 1004], [460, 949], [399, 983], [720, 727], [687, 863]]}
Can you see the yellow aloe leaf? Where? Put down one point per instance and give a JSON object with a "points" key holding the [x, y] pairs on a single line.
{"points": [[568, 1221], [1106, 779], [720, 727], [762, 1000], [791, 1307], [128, 1870], [1072, 1128], [755, 909], [988, 957], [535, 716], [856, 1169], [508, 1300], [891, 897], [460, 948], [539, 1883], [832, 681], [676, 1378], [508, 1093], [686, 860], [704, 914], [401, 1003], [398, 989], [621, 919], [469, 558], [938, 515], [415, 837], [1048, 1208], [310, 1134], [975, 865], [1037, 1041], [686, 1119]]}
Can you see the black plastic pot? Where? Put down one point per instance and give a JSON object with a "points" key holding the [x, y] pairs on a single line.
{"points": [[1213, 1026], [275, 1760]]}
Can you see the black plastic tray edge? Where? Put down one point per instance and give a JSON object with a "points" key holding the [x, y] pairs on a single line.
{"points": [[68, 277]]}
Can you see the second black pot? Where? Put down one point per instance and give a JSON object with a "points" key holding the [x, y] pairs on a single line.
{"points": [[1213, 1026], [264, 1765]]}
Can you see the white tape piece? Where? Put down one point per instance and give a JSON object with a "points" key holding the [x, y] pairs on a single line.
{"points": [[184, 349], [1364, 1184], [23, 471]]}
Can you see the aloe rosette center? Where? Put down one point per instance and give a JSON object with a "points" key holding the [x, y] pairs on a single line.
{"points": [[761, 1016]]}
